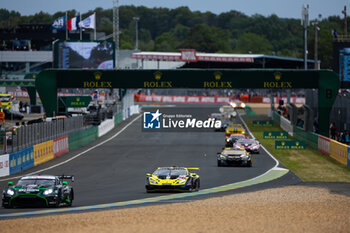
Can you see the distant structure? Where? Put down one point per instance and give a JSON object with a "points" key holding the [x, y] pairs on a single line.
{"points": [[190, 58]]}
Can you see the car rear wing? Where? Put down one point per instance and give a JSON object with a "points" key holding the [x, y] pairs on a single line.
{"points": [[63, 177], [193, 168]]}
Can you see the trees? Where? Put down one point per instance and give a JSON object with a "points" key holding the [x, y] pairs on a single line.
{"points": [[253, 43], [207, 39], [162, 29]]}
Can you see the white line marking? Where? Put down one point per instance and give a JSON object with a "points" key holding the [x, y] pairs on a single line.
{"points": [[78, 155], [277, 162]]}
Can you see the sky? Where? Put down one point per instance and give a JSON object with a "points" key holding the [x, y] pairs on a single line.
{"points": [[282, 8]]}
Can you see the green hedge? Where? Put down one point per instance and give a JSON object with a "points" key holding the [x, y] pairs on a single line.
{"points": [[82, 137]]}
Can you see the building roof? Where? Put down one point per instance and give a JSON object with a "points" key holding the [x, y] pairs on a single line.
{"points": [[209, 57]]}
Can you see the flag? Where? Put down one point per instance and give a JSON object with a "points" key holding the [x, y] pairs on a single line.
{"points": [[89, 22], [59, 23], [73, 24]]}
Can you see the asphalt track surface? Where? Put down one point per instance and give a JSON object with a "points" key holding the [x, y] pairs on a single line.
{"points": [[115, 171]]}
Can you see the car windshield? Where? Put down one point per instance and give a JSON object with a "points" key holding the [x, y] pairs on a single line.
{"points": [[45, 182], [237, 137], [246, 142], [5, 98], [170, 172]]}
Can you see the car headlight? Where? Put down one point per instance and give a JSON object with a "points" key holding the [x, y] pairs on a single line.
{"points": [[244, 156], [234, 105], [48, 191], [152, 181], [228, 140], [10, 192], [222, 156], [181, 181], [242, 105]]}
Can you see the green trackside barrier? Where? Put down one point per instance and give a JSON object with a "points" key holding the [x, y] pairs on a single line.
{"points": [[82, 137], [118, 118], [310, 138], [249, 111], [276, 118]]}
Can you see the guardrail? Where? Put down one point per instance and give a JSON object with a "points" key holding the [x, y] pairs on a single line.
{"points": [[334, 149]]}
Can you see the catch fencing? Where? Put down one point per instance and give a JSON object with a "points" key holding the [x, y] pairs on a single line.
{"points": [[24, 136]]}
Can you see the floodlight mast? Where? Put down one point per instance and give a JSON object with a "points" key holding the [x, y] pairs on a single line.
{"points": [[315, 23], [305, 23], [116, 31], [136, 19]]}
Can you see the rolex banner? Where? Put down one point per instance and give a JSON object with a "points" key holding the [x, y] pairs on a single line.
{"points": [[290, 145]]}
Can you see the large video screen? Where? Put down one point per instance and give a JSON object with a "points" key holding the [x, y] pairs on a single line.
{"points": [[84, 55], [341, 62]]}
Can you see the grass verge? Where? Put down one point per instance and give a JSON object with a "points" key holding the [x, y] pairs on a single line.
{"points": [[308, 165]]}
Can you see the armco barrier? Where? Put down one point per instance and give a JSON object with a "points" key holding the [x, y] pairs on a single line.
{"points": [[105, 127], [310, 138], [4, 165], [339, 152], [323, 145], [286, 125], [43, 152], [60, 146], [82, 137], [21, 160]]}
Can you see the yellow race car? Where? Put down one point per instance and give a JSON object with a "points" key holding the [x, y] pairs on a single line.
{"points": [[173, 179], [6, 101], [234, 128]]}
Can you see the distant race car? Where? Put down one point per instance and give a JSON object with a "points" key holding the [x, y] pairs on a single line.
{"points": [[229, 141], [228, 111], [234, 128], [232, 156], [39, 190], [173, 179], [250, 145], [224, 124], [237, 104], [12, 115]]}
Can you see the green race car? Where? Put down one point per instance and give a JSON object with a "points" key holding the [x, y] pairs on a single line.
{"points": [[39, 190]]}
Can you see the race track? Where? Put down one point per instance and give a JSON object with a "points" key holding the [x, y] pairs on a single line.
{"points": [[115, 171]]}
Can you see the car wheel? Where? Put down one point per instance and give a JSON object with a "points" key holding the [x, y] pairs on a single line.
{"points": [[219, 163], [7, 206], [71, 197], [197, 185], [249, 164]]}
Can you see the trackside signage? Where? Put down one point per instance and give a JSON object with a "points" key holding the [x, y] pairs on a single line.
{"points": [[60, 146], [105, 127], [263, 123], [4, 165], [290, 145], [275, 135], [21, 160], [179, 120]]}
